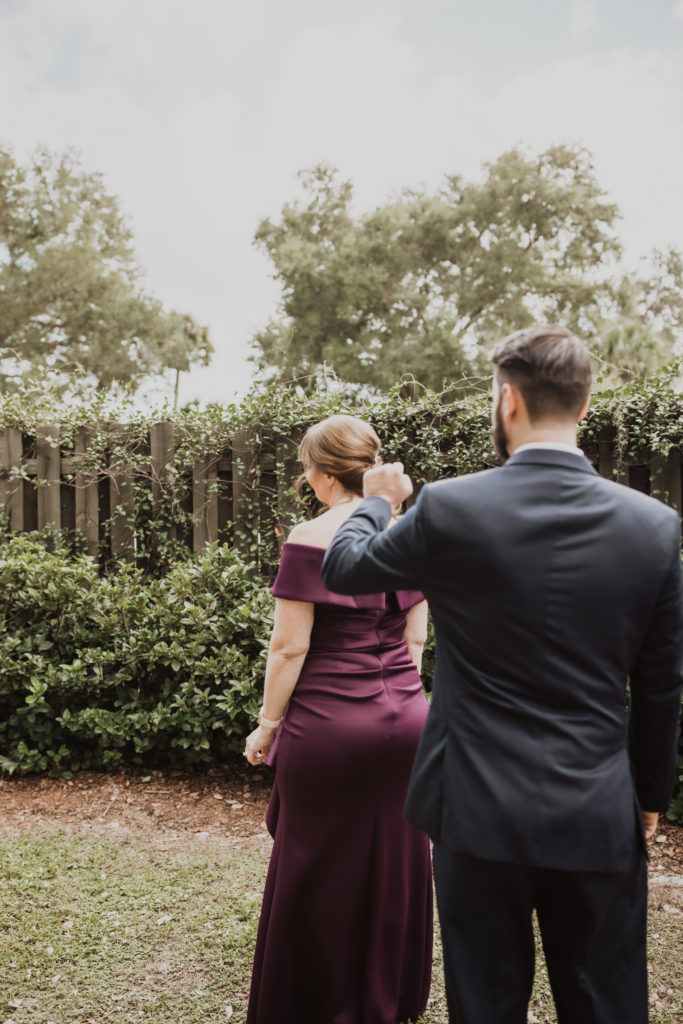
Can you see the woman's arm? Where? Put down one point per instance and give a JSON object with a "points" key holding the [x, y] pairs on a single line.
{"points": [[289, 645], [415, 633]]}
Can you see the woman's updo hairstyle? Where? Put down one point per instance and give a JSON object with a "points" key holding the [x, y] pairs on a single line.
{"points": [[343, 446]]}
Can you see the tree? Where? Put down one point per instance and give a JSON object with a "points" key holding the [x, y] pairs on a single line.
{"points": [[421, 284], [70, 294], [644, 330]]}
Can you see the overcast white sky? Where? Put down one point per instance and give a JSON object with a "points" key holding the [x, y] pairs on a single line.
{"points": [[200, 114]]}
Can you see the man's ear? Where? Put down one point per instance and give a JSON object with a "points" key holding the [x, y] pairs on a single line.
{"points": [[584, 409], [509, 401]]}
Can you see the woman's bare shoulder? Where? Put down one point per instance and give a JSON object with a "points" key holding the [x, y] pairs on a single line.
{"points": [[310, 532], [319, 532]]}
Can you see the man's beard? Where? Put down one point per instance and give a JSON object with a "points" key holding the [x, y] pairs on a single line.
{"points": [[500, 441]]}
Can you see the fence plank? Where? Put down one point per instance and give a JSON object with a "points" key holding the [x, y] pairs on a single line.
{"points": [[48, 473], [161, 440], [11, 491], [86, 497], [288, 469], [243, 514], [204, 503], [608, 465], [639, 478], [665, 479], [121, 495]]}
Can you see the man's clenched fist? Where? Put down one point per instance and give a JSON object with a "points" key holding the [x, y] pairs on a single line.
{"points": [[388, 482]]}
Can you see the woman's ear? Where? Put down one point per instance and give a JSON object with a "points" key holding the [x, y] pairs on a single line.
{"points": [[330, 481]]}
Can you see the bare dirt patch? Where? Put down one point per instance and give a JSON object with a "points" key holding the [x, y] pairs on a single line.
{"points": [[666, 851], [226, 804]]}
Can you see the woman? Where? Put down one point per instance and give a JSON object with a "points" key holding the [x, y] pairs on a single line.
{"points": [[345, 935]]}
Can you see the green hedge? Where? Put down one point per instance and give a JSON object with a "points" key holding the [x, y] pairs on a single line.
{"points": [[96, 670]]}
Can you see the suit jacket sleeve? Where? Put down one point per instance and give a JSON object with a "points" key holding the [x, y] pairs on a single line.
{"points": [[656, 693], [364, 557]]}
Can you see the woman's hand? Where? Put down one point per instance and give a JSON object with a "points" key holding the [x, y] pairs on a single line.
{"points": [[258, 744], [415, 634]]}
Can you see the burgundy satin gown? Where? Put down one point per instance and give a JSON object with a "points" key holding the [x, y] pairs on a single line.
{"points": [[345, 935]]}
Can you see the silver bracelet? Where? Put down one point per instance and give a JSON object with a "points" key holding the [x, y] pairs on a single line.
{"points": [[268, 722]]}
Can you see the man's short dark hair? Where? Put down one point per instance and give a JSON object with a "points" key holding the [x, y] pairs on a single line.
{"points": [[550, 366]]}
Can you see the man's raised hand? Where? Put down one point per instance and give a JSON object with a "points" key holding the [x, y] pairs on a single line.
{"points": [[388, 482]]}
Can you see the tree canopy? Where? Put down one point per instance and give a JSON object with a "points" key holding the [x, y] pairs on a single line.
{"points": [[424, 283], [70, 293]]}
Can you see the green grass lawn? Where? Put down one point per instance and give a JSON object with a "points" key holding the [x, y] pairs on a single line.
{"points": [[95, 931]]}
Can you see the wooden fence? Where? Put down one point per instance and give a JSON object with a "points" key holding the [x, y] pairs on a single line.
{"points": [[41, 484]]}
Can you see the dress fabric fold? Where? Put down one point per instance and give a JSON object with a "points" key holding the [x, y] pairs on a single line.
{"points": [[345, 934]]}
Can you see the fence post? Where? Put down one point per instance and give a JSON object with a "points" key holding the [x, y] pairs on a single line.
{"points": [[11, 491], [48, 474], [121, 495], [86, 498], [204, 503], [161, 436]]}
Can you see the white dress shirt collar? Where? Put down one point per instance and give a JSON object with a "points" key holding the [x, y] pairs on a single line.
{"points": [[557, 446]]}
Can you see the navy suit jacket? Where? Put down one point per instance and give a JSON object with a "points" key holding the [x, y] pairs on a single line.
{"points": [[550, 589]]}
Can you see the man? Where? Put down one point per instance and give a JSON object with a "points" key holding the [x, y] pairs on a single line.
{"points": [[550, 589]]}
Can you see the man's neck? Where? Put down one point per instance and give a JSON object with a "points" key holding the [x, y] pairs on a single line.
{"points": [[551, 435]]}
